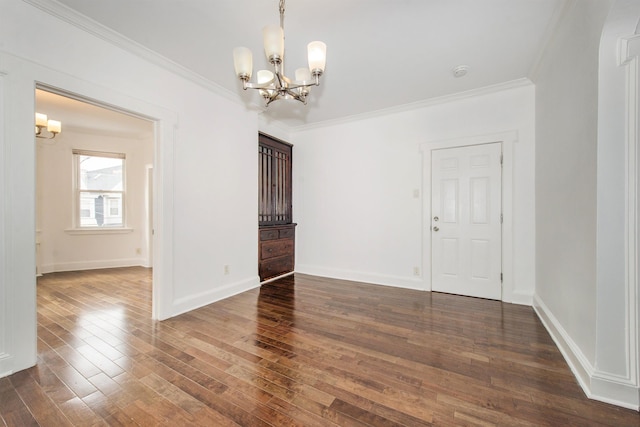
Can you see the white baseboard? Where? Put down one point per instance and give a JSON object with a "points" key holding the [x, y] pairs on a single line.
{"points": [[183, 305], [521, 298], [574, 357], [616, 391], [416, 283], [273, 279], [596, 385], [6, 365], [91, 265]]}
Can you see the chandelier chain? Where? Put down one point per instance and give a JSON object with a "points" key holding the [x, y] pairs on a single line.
{"points": [[281, 8]]}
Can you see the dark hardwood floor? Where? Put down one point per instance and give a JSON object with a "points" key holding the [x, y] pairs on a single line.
{"points": [[301, 351]]}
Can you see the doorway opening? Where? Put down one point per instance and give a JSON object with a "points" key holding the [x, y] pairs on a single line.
{"points": [[94, 186]]}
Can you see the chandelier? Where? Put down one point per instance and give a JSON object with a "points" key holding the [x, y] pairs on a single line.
{"points": [[54, 127], [274, 85]]}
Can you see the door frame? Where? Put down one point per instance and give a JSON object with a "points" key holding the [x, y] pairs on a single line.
{"points": [[18, 80], [508, 139], [163, 122], [465, 284]]}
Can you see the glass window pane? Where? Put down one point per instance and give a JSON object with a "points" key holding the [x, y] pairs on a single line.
{"points": [[100, 209], [101, 173]]}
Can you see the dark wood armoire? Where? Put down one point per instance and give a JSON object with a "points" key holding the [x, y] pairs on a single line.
{"points": [[276, 240]]}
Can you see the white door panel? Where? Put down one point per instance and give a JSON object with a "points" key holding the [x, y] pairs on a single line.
{"points": [[465, 222]]}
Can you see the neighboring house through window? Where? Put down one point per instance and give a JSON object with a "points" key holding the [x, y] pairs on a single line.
{"points": [[100, 189]]}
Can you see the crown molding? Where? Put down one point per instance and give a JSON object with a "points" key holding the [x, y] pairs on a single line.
{"points": [[83, 22], [445, 99], [90, 26]]}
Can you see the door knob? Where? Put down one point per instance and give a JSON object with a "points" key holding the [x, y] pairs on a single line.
{"points": [[436, 228]]}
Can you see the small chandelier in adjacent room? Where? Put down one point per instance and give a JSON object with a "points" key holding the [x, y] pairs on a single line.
{"points": [[53, 127], [275, 85]]}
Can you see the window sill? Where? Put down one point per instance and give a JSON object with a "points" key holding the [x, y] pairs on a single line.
{"points": [[96, 230]]}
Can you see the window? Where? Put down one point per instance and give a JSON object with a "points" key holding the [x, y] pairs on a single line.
{"points": [[274, 172], [99, 189]]}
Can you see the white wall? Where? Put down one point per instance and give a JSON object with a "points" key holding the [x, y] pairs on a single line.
{"points": [[580, 170], [617, 330], [6, 323], [60, 247], [566, 118], [206, 200], [354, 186]]}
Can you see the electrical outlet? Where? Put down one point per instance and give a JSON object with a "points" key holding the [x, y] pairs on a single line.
{"points": [[226, 270], [416, 271]]}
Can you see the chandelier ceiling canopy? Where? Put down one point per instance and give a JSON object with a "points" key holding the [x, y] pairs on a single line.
{"points": [[274, 85]]}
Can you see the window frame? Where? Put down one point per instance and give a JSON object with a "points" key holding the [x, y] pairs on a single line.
{"points": [[78, 191]]}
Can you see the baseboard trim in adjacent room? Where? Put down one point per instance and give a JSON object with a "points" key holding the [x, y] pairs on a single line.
{"points": [[91, 265]]}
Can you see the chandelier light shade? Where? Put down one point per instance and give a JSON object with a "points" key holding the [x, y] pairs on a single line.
{"points": [[274, 85], [243, 61], [54, 127], [273, 37], [317, 56]]}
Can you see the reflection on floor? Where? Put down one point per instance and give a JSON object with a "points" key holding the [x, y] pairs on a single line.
{"points": [[301, 351]]}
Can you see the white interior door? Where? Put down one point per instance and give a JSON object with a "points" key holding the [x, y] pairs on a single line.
{"points": [[466, 229]]}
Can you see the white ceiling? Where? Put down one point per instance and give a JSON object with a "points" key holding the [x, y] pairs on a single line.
{"points": [[380, 53]]}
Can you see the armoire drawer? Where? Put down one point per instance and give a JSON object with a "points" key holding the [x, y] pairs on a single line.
{"points": [[276, 248]]}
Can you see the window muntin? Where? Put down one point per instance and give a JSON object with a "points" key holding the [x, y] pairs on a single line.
{"points": [[100, 184]]}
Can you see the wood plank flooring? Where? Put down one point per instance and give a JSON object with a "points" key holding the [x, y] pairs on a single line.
{"points": [[301, 351]]}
